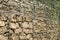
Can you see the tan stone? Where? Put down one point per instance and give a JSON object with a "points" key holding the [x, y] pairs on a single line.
{"points": [[30, 25], [28, 18], [35, 38], [28, 36], [19, 30], [44, 38], [28, 30], [3, 30], [3, 37], [15, 37], [12, 18], [25, 25], [36, 29], [12, 3], [2, 17], [2, 23], [11, 31], [22, 36], [42, 24], [31, 39], [19, 18], [14, 25], [35, 21]]}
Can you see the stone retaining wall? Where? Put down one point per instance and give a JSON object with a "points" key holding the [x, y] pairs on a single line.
{"points": [[27, 20], [19, 27]]}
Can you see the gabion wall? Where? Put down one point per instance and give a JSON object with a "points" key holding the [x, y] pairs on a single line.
{"points": [[27, 20]]}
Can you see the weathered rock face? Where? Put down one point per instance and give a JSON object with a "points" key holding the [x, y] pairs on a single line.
{"points": [[26, 20], [36, 29]]}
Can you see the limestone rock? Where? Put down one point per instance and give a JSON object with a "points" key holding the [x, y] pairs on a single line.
{"points": [[3, 37], [2, 23], [15, 37], [14, 25], [42, 24], [28, 18], [36, 28], [19, 30], [25, 25], [22, 36], [3, 30], [2, 17], [28, 30], [28, 36], [12, 3], [31, 39], [30, 25], [12, 18], [19, 18]]}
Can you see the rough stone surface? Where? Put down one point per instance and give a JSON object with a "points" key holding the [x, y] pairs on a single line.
{"points": [[26, 20], [14, 25]]}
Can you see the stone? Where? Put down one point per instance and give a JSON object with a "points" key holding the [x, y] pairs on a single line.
{"points": [[25, 25], [10, 31], [30, 25], [36, 28], [12, 18], [31, 39], [28, 30], [44, 38], [14, 25], [28, 18], [6, 0], [18, 30], [3, 37], [0, 5], [17, 0], [28, 36], [15, 37], [3, 30], [19, 18], [42, 24], [35, 38], [2, 23], [22, 36], [2, 17], [12, 3], [35, 22]]}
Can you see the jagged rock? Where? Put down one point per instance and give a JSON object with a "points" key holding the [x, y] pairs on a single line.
{"points": [[3, 17], [42, 24], [29, 36], [19, 18], [14, 25], [28, 31], [22, 36], [12, 18], [12, 3], [15, 37], [31, 39], [2, 23], [18, 30], [36, 28], [3, 30], [25, 25], [28, 18], [3, 37]]}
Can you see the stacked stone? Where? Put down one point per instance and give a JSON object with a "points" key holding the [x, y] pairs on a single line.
{"points": [[19, 27], [26, 20]]}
